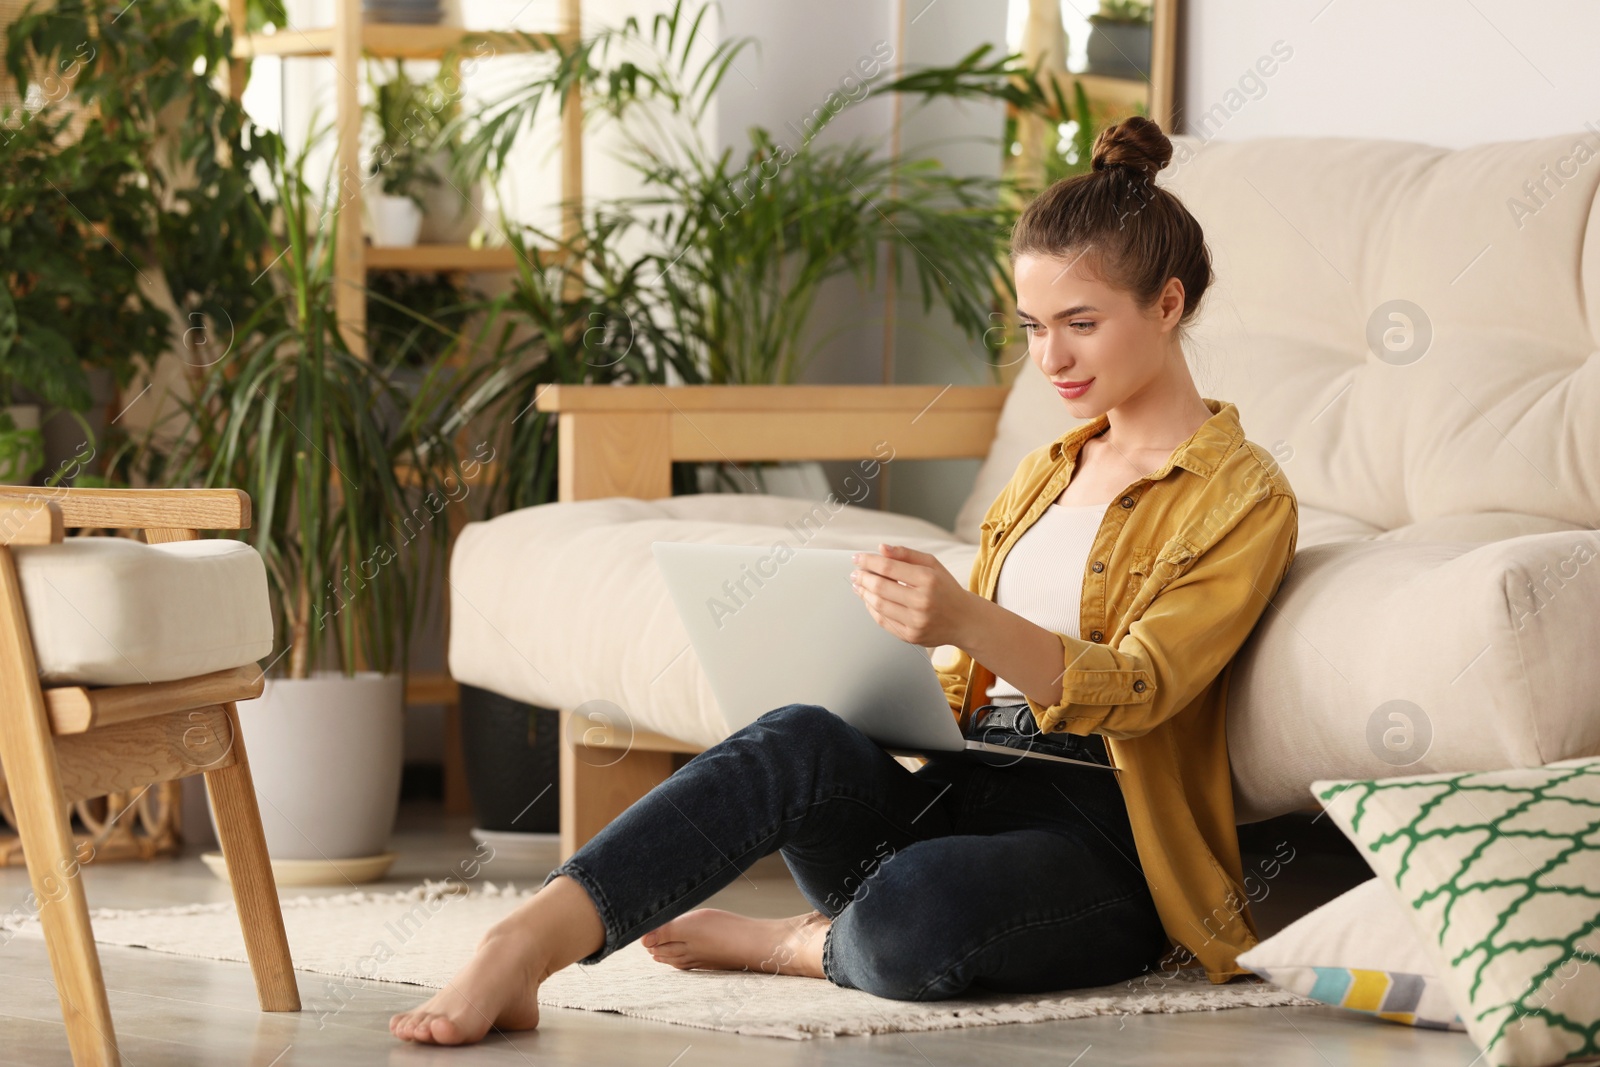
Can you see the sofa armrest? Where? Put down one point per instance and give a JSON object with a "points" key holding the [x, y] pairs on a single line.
{"points": [[621, 440]]}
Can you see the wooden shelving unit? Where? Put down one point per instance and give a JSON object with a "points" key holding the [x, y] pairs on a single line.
{"points": [[347, 42], [388, 40]]}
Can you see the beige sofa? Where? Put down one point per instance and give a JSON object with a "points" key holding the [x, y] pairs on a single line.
{"points": [[1411, 331]]}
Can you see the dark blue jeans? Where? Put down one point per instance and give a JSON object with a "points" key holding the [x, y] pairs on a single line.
{"points": [[1020, 878]]}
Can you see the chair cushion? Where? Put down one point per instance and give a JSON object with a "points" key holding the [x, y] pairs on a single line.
{"points": [[114, 611], [560, 604]]}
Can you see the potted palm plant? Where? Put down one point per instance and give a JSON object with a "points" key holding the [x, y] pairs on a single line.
{"points": [[401, 159], [738, 247], [425, 183], [711, 272], [347, 475]]}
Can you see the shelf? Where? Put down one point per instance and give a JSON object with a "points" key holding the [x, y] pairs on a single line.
{"points": [[1122, 93], [441, 258], [389, 40]]}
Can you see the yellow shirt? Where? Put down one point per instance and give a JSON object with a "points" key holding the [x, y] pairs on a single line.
{"points": [[1185, 561]]}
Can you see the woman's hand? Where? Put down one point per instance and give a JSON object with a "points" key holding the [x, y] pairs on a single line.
{"points": [[912, 595]]}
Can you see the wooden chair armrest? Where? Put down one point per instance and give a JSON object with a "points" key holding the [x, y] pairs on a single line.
{"points": [[620, 440], [30, 522], [140, 509]]}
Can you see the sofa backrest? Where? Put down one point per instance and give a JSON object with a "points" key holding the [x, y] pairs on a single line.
{"points": [[1410, 330]]}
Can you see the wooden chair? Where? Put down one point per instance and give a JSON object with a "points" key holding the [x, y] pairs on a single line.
{"points": [[59, 745]]}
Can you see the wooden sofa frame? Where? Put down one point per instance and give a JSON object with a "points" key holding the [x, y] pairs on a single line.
{"points": [[623, 440]]}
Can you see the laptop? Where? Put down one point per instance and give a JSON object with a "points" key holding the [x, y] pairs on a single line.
{"points": [[777, 625]]}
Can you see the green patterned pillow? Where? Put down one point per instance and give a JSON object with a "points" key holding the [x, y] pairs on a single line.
{"points": [[1499, 872]]}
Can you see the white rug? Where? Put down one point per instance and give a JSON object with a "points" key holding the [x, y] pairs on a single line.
{"points": [[423, 936]]}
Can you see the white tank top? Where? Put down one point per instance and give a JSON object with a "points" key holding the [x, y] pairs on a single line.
{"points": [[1042, 576]]}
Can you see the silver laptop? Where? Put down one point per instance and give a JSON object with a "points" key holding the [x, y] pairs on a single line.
{"points": [[775, 627]]}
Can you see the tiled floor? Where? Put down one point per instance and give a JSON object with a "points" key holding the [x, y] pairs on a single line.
{"points": [[174, 1010]]}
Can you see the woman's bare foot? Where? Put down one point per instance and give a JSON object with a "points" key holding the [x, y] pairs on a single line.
{"points": [[718, 940], [499, 987]]}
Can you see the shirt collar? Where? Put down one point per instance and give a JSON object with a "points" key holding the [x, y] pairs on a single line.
{"points": [[1200, 453]]}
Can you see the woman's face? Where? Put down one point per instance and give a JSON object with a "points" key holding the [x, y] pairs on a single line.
{"points": [[1081, 329]]}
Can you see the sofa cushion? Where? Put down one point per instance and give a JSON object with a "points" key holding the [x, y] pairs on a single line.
{"points": [[1387, 657], [533, 591], [1405, 327], [115, 611]]}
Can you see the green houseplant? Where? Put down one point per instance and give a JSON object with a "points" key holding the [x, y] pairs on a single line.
{"points": [[738, 246], [417, 150], [349, 478], [72, 298], [713, 270], [134, 177], [741, 243], [401, 157]]}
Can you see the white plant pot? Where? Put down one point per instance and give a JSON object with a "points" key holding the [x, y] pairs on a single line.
{"points": [[393, 221], [325, 754]]}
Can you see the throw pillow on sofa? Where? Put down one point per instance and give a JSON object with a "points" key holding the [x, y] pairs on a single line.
{"points": [[1499, 873]]}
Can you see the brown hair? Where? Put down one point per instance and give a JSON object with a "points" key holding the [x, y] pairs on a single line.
{"points": [[1129, 231]]}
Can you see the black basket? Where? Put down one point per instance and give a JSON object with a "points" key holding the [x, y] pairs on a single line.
{"points": [[513, 759]]}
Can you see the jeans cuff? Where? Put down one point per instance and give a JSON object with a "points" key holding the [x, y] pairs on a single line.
{"points": [[582, 877], [827, 956]]}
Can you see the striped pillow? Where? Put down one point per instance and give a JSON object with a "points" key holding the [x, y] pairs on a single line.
{"points": [[1359, 952]]}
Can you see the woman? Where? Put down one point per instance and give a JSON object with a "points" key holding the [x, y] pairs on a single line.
{"points": [[1156, 529]]}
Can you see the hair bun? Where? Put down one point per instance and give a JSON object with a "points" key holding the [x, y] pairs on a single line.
{"points": [[1135, 142]]}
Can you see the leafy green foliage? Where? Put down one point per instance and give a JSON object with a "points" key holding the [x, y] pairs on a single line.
{"points": [[410, 119], [416, 318], [72, 217], [576, 313], [713, 269], [741, 243], [316, 436], [157, 182]]}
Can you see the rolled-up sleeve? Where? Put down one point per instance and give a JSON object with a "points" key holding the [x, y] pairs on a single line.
{"points": [[953, 677], [1184, 638]]}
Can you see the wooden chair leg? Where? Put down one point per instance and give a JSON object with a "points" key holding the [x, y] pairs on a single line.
{"points": [[33, 779], [255, 893]]}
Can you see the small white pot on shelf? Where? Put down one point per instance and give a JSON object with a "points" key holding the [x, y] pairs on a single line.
{"points": [[393, 221]]}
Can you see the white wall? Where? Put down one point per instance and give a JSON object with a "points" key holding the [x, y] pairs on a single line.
{"points": [[1445, 72]]}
